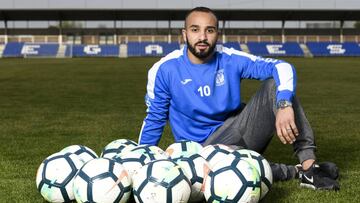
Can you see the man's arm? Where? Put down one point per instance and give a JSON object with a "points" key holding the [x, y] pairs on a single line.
{"points": [[285, 78], [322, 176], [157, 100], [283, 116]]}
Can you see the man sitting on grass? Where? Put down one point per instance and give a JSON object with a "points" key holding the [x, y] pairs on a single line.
{"points": [[198, 90]]}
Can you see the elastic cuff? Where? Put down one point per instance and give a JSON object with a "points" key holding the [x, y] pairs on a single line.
{"points": [[285, 95], [306, 154]]}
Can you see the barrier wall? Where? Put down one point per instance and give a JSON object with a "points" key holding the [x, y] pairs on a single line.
{"points": [[15, 49], [148, 48], [151, 49], [275, 49], [334, 49], [92, 51], [234, 45]]}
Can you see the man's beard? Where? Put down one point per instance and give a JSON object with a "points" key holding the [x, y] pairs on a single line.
{"points": [[201, 54]]}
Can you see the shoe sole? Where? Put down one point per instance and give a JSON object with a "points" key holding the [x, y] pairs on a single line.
{"points": [[305, 185]]}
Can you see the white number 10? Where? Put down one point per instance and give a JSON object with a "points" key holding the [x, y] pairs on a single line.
{"points": [[204, 91]]}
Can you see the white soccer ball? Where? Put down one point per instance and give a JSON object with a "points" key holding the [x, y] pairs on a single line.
{"points": [[161, 181], [215, 153], [233, 180], [261, 165], [183, 148], [54, 178], [139, 156], [102, 180], [196, 169], [117, 147], [85, 153]]}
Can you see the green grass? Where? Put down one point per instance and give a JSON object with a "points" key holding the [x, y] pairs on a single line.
{"points": [[48, 104]]}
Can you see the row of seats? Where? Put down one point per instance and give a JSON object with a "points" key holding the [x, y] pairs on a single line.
{"points": [[268, 49]]}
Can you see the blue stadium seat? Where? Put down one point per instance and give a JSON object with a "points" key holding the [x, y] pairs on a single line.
{"points": [[40, 49], [334, 48], [16, 49], [151, 49], [13, 49], [234, 45], [92, 50], [19, 49], [275, 49]]}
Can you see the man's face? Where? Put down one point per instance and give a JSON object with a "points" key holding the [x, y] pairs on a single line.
{"points": [[201, 34]]}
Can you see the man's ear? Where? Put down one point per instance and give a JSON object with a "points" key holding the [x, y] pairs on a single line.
{"points": [[183, 32]]}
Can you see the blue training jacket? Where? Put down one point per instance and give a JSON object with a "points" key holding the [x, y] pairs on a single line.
{"points": [[197, 98]]}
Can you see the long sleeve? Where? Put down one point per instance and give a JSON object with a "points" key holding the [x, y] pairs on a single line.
{"points": [[157, 100], [263, 68]]}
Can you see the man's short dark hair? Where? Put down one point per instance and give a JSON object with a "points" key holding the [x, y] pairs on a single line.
{"points": [[202, 9]]}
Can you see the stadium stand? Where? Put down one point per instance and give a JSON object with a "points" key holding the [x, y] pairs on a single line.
{"points": [[117, 38]]}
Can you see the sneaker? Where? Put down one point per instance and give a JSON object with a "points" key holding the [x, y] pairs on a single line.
{"points": [[330, 169], [299, 169], [314, 178], [325, 169]]}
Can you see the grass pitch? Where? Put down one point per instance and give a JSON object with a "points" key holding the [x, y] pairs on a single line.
{"points": [[48, 104]]}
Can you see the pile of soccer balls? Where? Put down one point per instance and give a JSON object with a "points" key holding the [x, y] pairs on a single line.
{"points": [[125, 171]]}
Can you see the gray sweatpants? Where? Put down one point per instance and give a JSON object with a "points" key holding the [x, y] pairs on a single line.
{"points": [[253, 126]]}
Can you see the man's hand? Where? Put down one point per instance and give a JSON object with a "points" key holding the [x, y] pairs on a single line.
{"points": [[285, 125]]}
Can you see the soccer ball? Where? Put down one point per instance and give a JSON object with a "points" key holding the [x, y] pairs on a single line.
{"points": [[232, 180], [85, 153], [161, 181], [54, 178], [196, 169], [261, 165], [215, 153], [139, 156], [117, 147], [102, 180], [183, 148]]}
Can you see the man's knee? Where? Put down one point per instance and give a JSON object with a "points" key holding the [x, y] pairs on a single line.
{"points": [[269, 84], [268, 87]]}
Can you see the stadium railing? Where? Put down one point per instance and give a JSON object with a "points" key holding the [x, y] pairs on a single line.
{"points": [[124, 39]]}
